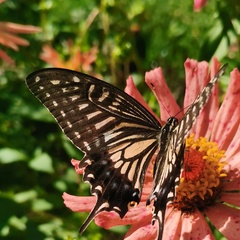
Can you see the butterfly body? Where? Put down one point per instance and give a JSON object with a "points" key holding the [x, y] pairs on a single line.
{"points": [[119, 138]]}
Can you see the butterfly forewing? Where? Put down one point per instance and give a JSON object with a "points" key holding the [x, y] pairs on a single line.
{"points": [[119, 138], [189, 118], [87, 108]]}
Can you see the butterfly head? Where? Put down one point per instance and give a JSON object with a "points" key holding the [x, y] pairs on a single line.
{"points": [[172, 122]]}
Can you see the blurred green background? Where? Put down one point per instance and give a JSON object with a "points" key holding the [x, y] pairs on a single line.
{"points": [[113, 39]]}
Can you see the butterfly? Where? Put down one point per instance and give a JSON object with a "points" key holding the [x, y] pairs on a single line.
{"points": [[119, 138]]}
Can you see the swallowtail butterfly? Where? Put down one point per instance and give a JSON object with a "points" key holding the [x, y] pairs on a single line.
{"points": [[119, 138]]}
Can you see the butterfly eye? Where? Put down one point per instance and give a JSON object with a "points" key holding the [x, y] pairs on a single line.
{"points": [[132, 204]]}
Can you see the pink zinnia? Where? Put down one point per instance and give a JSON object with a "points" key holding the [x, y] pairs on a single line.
{"points": [[210, 181]]}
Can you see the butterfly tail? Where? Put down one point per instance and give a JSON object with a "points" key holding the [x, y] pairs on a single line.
{"points": [[89, 219]]}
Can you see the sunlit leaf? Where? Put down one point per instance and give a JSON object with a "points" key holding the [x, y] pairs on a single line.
{"points": [[42, 163], [42, 205], [8, 155]]}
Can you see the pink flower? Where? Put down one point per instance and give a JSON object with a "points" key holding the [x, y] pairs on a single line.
{"points": [[199, 4], [210, 182]]}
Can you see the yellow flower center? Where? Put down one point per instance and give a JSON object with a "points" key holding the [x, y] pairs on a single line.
{"points": [[200, 179]]}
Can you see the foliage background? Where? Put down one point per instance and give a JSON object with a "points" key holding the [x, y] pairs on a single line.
{"points": [[131, 37]]}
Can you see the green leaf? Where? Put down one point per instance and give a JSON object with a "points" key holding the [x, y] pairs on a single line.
{"points": [[42, 205], [25, 196], [8, 155], [18, 223], [42, 163]]}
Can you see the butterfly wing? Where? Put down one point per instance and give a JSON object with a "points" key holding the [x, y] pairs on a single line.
{"points": [[116, 133]]}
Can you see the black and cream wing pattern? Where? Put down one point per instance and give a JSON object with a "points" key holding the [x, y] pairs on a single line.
{"points": [[118, 137]]}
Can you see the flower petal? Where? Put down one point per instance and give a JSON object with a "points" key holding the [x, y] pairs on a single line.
{"points": [[234, 166], [226, 219], [49, 55], [234, 147], [156, 82], [13, 41], [232, 185], [232, 180], [108, 219], [135, 215], [231, 198], [75, 163], [79, 204], [132, 90], [142, 230], [172, 226], [5, 57], [227, 120], [196, 78], [18, 28], [195, 227]]}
